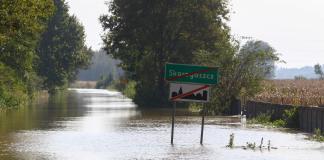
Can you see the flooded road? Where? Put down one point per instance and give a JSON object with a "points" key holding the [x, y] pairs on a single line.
{"points": [[100, 125]]}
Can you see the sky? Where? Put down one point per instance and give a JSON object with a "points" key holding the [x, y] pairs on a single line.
{"points": [[294, 28], [88, 13]]}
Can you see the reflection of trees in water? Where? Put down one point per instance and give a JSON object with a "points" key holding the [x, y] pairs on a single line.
{"points": [[42, 113]]}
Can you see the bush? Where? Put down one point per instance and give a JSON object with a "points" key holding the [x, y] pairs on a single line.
{"points": [[318, 135], [263, 118], [13, 92], [195, 107], [291, 118], [104, 82], [279, 123], [128, 88], [34, 85]]}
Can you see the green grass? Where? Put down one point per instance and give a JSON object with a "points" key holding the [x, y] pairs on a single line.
{"points": [[318, 135], [289, 119], [128, 89], [279, 123], [195, 107], [263, 118]]}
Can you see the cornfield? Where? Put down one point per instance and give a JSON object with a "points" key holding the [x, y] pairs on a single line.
{"points": [[293, 92]]}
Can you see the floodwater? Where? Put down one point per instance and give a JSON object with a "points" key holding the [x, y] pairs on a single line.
{"points": [[101, 125]]}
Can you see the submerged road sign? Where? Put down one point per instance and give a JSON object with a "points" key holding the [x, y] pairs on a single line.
{"points": [[183, 73], [190, 83], [189, 92]]}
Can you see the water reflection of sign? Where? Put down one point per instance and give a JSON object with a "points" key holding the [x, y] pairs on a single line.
{"points": [[189, 92]]}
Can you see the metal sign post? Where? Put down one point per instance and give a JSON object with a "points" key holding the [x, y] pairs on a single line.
{"points": [[173, 116], [202, 125]]}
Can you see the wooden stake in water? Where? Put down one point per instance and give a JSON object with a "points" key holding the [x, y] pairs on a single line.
{"points": [[202, 125], [173, 115]]}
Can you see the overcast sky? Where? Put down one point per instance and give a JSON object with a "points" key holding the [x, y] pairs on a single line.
{"points": [[295, 28]]}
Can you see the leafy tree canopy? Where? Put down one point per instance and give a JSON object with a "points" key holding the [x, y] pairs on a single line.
{"points": [[145, 34], [242, 70], [21, 24], [62, 49]]}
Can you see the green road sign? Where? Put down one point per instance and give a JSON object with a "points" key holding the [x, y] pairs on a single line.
{"points": [[183, 73]]}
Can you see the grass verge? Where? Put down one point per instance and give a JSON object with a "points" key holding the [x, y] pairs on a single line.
{"points": [[318, 135], [290, 119]]}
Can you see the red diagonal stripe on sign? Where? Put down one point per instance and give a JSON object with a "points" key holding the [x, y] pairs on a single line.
{"points": [[188, 74], [189, 93]]}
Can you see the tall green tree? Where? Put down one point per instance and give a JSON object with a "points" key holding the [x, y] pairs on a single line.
{"points": [[261, 56], [21, 25], [145, 34], [62, 50], [242, 70], [318, 70]]}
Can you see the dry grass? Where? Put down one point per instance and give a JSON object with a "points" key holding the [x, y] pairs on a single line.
{"points": [[294, 92]]}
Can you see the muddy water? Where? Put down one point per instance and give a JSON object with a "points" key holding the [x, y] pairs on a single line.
{"points": [[97, 124]]}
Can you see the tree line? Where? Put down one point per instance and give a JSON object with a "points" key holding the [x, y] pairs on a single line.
{"points": [[41, 47], [146, 34], [102, 66]]}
